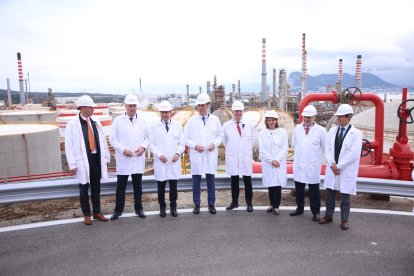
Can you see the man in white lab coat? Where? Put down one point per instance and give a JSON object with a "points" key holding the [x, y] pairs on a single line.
{"points": [[167, 144], [343, 150], [129, 138], [87, 154], [203, 135], [308, 139], [238, 138]]}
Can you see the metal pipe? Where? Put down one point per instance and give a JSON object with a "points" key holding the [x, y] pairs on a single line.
{"points": [[8, 92]]}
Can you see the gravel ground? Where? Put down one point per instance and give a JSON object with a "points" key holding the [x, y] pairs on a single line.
{"points": [[37, 211]]}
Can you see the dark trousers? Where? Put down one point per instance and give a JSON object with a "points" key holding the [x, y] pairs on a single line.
{"points": [[314, 197], [121, 184], [235, 189], [211, 193], [173, 193], [95, 183], [275, 194], [330, 204]]}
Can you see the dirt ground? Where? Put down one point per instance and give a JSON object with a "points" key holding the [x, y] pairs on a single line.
{"points": [[37, 211]]}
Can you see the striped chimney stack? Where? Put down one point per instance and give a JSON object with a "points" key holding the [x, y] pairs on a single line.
{"points": [[303, 78], [340, 75], [20, 69], [264, 74], [358, 72], [238, 89]]}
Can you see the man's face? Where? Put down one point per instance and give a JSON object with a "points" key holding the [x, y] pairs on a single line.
{"points": [[343, 120], [237, 115], [165, 115], [309, 120], [131, 109], [86, 111], [202, 109]]}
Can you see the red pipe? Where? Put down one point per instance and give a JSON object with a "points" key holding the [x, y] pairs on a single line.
{"points": [[316, 97], [378, 143]]}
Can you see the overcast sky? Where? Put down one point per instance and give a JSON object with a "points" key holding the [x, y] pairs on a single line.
{"points": [[107, 46]]}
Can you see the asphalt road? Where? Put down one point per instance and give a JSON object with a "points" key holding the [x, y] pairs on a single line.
{"points": [[229, 243]]}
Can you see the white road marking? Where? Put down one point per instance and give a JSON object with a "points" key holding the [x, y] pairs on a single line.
{"points": [[152, 213]]}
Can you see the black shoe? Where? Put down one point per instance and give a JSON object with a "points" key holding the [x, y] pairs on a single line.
{"points": [[140, 213], [115, 215], [174, 212], [297, 212], [316, 217], [211, 209], [249, 208], [196, 210], [163, 214], [232, 206], [269, 210]]}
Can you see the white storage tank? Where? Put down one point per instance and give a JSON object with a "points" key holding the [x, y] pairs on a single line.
{"points": [[27, 149], [28, 116]]}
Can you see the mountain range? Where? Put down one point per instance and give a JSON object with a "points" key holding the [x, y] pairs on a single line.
{"points": [[319, 83]]}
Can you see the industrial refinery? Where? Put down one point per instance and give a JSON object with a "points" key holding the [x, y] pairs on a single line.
{"points": [[26, 128]]}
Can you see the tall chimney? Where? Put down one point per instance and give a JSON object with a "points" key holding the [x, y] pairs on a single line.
{"points": [[282, 89], [188, 95], [340, 75], [238, 89], [303, 78], [358, 72], [274, 84], [264, 74], [208, 88], [20, 69], [8, 92]]}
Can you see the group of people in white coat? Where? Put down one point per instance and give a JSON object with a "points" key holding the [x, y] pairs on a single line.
{"points": [[88, 154]]}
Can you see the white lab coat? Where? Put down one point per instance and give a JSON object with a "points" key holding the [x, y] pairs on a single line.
{"points": [[196, 133], [239, 153], [129, 135], [273, 147], [167, 144], [348, 161], [75, 150], [309, 153]]}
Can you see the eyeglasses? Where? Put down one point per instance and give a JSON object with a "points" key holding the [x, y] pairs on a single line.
{"points": [[200, 105]]}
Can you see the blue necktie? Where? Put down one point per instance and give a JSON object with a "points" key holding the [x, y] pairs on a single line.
{"points": [[204, 120], [166, 126], [341, 134]]}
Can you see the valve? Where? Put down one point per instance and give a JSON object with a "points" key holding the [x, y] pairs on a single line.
{"points": [[405, 113], [351, 95], [366, 148]]}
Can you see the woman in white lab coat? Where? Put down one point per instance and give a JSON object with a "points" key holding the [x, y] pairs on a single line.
{"points": [[273, 146]]}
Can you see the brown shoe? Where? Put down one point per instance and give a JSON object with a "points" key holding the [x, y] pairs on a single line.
{"points": [[87, 220], [100, 217], [325, 220], [344, 225]]}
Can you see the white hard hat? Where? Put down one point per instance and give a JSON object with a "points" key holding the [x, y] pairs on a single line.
{"points": [[85, 100], [309, 111], [271, 114], [203, 98], [131, 99], [237, 105], [164, 106], [344, 109]]}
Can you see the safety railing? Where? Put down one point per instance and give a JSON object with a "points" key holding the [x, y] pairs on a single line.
{"points": [[66, 188]]}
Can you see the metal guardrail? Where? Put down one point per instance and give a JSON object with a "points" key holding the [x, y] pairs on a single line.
{"points": [[66, 188]]}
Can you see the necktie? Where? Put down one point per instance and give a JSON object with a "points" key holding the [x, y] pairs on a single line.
{"points": [[131, 119], [238, 128], [341, 134], [306, 130], [204, 120], [166, 126], [92, 145]]}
